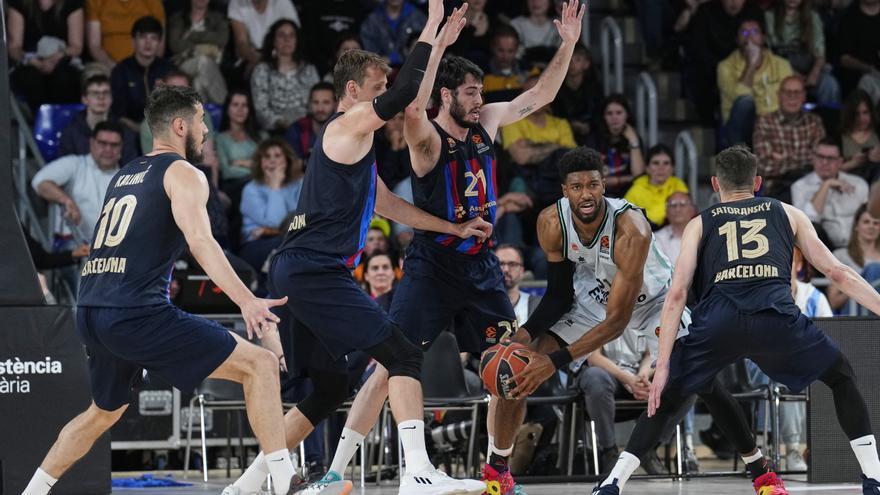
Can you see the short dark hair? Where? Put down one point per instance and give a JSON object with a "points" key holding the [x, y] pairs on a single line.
{"points": [[352, 66], [505, 31], [93, 80], [146, 25], [829, 141], [513, 247], [175, 72], [451, 74], [851, 106], [323, 86], [659, 149], [108, 126], [736, 168], [580, 159], [167, 103]]}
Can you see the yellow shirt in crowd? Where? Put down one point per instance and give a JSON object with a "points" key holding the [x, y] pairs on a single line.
{"points": [[555, 130], [116, 18], [653, 197], [765, 84]]}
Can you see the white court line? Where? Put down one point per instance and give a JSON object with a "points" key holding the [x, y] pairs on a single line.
{"points": [[817, 488]]}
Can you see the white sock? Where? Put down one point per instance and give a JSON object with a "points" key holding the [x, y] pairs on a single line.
{"points": [[412, 436], [624, 468], [252, 479], [752, 458], [865, 449], [281, 470], [40, 484], [349, 442]]}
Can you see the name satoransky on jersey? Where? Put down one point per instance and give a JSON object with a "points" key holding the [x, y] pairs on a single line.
{"points": [[733, 210]]}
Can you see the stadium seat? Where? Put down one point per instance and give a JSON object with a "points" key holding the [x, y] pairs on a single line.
{"points": [[48, 124]]}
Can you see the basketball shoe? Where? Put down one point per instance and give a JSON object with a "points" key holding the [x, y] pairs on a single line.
{"points": [[870, 486], [609, 489], [297, 483], [500, 482], [769, 484], [435, 482], [330, 484]]}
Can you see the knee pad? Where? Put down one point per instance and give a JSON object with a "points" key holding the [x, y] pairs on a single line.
{"points": [[329, 392], [398, 355]]}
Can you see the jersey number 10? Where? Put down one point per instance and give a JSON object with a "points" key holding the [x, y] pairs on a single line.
{"points": [[114, 222], [752, 235]]}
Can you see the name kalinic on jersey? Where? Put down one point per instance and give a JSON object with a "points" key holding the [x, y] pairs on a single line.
{"points": [[745, 254], [135, 241], [462, 186], [336, 205]]}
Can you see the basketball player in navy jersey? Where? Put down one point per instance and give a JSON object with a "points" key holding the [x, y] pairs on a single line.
{"points": [[737, 255], [331, 314], [446, 277], [153, 209]]}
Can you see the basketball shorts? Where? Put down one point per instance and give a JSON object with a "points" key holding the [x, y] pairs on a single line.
{"points": [[441, 290], [787, 346], [587, 313], [176, 346], [330, 315]]}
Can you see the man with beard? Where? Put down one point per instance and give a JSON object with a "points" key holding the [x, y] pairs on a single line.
{"points": [[153, 209], [332, 315], [446, 278], [302, 134]]}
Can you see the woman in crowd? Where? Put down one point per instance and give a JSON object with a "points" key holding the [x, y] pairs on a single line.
{"points": [[619, 144], [862, 252], [858, 133], [45, 41], [650, 191], [238, 138], [197, 37], [281, 82], [795, 32], [268, 198]]}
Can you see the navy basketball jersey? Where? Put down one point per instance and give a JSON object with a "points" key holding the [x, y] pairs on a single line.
{"points": [[745, 254], [336, 205], [136, 240], [461, 186]]}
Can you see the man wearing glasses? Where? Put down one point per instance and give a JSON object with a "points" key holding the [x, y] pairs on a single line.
{"points": [[679, 211], [828, 196], [510, 259], [784, 139]]}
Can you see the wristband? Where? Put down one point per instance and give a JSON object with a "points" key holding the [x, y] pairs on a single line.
{"points": [[561, 358]]}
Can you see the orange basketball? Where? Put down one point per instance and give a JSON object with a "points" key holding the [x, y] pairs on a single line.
{"points": [[499, 366]]}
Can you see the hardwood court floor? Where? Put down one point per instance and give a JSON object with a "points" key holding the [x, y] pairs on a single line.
{"points": [[720, 486]]}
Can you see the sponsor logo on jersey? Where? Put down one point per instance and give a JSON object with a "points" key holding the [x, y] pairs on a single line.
{"points": [[604, 245], [574, 246], [451, 143], [460, 212], [657, 331], [491, 335], [297, 222], [478, 142]]}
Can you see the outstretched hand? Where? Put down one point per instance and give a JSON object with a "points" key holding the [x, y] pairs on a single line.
{"points": [[435, 12], [476, 227], [454, 24], [569, 22]]}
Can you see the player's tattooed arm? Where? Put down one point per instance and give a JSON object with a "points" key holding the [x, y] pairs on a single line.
{"points": [[568, 25]]}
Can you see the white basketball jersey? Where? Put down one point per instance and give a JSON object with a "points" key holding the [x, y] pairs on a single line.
{"points": [[594, 262]]}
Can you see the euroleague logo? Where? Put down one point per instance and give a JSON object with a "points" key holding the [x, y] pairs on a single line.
{"points": [[604, 245], [478, 142], [491, 334]]}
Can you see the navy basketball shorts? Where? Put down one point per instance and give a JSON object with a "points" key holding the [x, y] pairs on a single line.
{"points": [[786, 345], [176, 346], [441, 290], [330, 314]]}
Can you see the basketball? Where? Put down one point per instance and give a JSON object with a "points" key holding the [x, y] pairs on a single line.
{"points": [[499, 366]]}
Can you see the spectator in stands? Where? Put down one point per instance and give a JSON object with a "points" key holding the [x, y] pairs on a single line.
{"points": [[389, 28], [712, 36], [537, 34], [392, 156], [656, 18], [619, 144], [795, 32], [377, 240], [532, 143], [281, 82], [474, 41], [78, 182], [651, 191], [97, 97], [784, 140], [749, 81], [134, 78], [860, 47], [110, 24], [45, 41], [511, 261], [345, 42], [322, 104], [379, 275], [505, 73], [680, 210], [268, 198], [579, 97], [197, 37], [325, 21], [858, 131], [237, 141], [828, 196], [863, 249], [250, 21]]}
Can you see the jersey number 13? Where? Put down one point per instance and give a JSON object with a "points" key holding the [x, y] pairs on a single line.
{"points": [[751, 236]]}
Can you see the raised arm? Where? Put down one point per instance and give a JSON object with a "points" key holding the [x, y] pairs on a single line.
{"points": [[844, 278], [187, 188], [673, 306], [497, 115], [422, 139]]}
